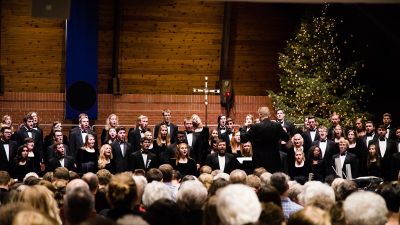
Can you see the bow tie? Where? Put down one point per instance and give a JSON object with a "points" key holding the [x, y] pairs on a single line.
{"points": [[142, 131], [312, 130], [145, 152], [222, 128], [369, 134], [323, 140], [343, 154], [121, 142], [84, 131], [5, 142], [189, 132], [382, 139]]}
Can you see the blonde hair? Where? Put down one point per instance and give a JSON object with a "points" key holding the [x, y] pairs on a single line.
{"points": [[42, 199], [108, 126], [159, 138], [206, 179], [245, 154], [102, 159]]}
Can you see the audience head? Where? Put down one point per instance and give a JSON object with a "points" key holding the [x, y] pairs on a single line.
{"points": [[104, 177], [164, 211], [78, 205], [238, 204], [310, 215], [191, 195], [280, 181], [155, 191], [365, 208], [121, 191], [154, 174], [237, 176], [92, 180], [166, 170]]}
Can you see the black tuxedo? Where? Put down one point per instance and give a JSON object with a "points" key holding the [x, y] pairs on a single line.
{"points": [[265, 137], [50, 152], [387, 158], [364, 139], [197, 152], [134, 137], [76, 142], [136, 161], [69, 163], [349, 159], [4, 163], [173, 131], [331, 149], [290, 129], [120, 161], [20, 136], [230, 162], [307, 139], [225, 137]]}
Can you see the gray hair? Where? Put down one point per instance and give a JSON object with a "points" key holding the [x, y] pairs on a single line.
{"points": [[365, 208], [155, 191], [191, 195], [238, 204]]}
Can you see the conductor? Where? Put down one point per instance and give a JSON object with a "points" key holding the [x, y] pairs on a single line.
{"points": [[265, 138]]}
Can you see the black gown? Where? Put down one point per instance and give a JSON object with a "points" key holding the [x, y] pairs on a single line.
{"points": [[188, 168], [87, 161]]}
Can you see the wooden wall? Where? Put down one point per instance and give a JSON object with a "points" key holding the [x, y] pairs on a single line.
{"points": [[258, 33], [32, 50], [165, 46]]}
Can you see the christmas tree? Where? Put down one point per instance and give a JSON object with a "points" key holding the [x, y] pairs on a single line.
{"points": [[315, 80]]}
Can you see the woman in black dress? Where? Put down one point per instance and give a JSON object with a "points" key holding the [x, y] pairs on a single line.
{"points": [[182, 162], [299, 170], [87, 156], [22, 164], [161, 142], [373, 161], [316, 164], [105, 158]]}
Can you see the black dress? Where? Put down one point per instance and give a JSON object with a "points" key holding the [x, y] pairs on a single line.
{"points": [[87, 161], [188, 168], [299, 174], [318, 170], [19, 171], [374, 170]]}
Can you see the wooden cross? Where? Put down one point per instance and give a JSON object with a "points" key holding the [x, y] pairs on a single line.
{"points": [[206, 91]]}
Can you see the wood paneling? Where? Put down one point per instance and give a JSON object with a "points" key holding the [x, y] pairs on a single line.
{"points": [[258, 33], [169, 46], [32, 52]]}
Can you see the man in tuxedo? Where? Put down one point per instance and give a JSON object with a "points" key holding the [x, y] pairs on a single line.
{"points": [[221, 127], [143, 159], [78, 135], [398, 139], [390, 131], [8, 149], [60, 159], [328, 147], [265, 137], [135, 135], [287, 126], [223, 161], [172, 128], [387, 148], [335, 120], [311, 134], [121, 151], [227, 136], [369, 133], [345, 158], [50, 153]]}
